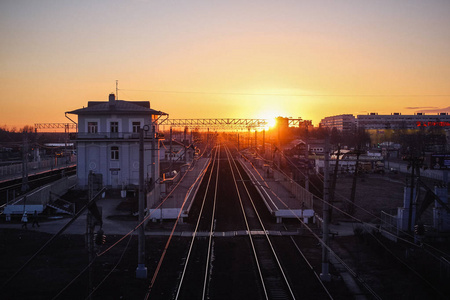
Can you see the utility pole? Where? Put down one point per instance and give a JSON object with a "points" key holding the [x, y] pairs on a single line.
{"points": [[141, 270], [66, 136], [238, 142], [155, 157], [185, 144], [264, 143], [90, 231], [117, 89], [25, 163], [170, 146], [325, 274], [333, 183], [155, 187], [279, 137], [351, 209], [93, 218], [414, 162], [411, 196], [307, 159]]}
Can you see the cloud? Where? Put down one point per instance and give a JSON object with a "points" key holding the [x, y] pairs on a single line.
{"points": [[433, 110], [421, 107]]}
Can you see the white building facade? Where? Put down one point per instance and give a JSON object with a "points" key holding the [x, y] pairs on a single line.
{"points": [[343, 123], [399, 121], [108, 142]]}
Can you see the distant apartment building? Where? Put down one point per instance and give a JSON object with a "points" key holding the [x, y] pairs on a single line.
{"points": [[399, 121], [342, 123], [108, 141]]}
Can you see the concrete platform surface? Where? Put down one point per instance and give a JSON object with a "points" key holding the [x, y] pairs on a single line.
{"points": [[281, 201]]}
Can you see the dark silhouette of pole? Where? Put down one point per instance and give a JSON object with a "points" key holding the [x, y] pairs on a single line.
{"points": [[90, 232], [325, 274], [141, 270], [411, 196], [238, 142], [307, 159], [185, 144], [414, 162], [25, 163], [333, 183], [351, 209], [264, 143], [170, 146]]}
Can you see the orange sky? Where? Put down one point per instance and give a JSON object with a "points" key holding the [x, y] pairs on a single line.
{"points": [[208, 59]]}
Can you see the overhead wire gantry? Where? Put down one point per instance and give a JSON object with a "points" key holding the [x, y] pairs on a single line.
{"points": [[228, 123]]}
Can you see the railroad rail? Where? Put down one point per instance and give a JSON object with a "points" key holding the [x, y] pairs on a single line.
{"points": [[230, 251], [273, 278], [194, 279]]}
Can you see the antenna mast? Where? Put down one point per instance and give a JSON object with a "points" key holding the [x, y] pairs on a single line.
{"points": [[117, 89]]}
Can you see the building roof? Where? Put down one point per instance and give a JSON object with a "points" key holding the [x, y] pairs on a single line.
{"points": [[117, 107]]}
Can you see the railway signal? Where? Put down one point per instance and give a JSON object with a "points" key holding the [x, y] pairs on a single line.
{"points": [[100, 238]]}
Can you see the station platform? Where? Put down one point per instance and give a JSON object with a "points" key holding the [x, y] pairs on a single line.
{"points": [[39, 198], [283, 197], [14, 172], [182, 194]]}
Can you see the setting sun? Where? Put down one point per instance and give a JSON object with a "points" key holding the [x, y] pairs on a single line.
{"points": [[272, 122], [270, 116]]}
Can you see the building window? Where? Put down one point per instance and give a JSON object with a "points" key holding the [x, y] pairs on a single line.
{"points": [[136, 126], [114, 127], [92, 127], [114, 153]]}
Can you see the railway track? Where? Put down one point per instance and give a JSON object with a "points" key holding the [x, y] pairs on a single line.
{"points": [[273, 280], [195, 276], [249, 264]]}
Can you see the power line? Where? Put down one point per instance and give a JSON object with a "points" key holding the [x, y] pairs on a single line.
{"points": [[153, 210], [352, 217], [290, 95], [353, 273], [54, 236], [361, 208], [73, 280], [366, 224], [112, 270], [366, 211]]}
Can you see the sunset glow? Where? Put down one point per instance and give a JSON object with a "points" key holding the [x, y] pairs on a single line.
{"points": [[199, 59], [272, 123]]}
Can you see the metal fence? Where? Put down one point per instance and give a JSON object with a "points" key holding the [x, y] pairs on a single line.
{"points": [[299, 192], [36, 166], [433, 174], [41, 196], [389, 222], [45, 194]]}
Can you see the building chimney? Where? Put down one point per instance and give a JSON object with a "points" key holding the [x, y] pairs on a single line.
{"points": [[112, 100]]}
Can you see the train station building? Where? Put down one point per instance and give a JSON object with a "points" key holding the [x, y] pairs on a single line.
{"points": [[108, 142]]}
